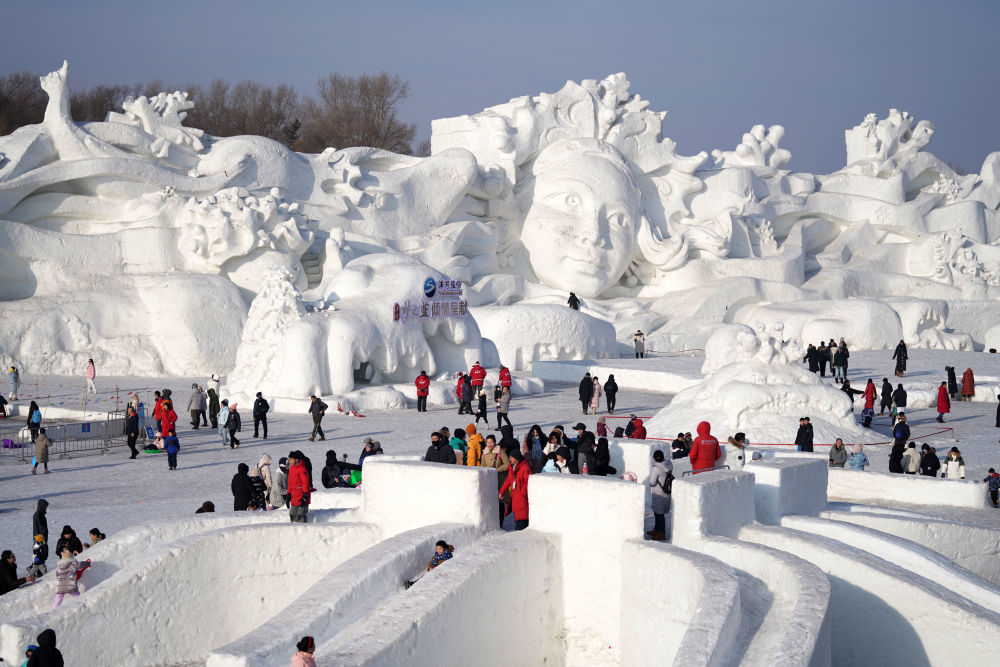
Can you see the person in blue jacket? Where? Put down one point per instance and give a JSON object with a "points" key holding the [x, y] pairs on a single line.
{"points": [[858, 459], [172, 445]]}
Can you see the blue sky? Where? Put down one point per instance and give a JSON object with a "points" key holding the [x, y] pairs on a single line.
{"points": [[718, 67]]}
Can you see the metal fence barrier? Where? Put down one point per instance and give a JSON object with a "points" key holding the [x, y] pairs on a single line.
{"points": [[68, 438], [688, 473]]}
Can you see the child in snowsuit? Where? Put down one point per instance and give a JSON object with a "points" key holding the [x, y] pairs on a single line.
{"points": [[40, 553], [481, 411], [442, 552], [173, 446], [993, 486], [67, 575]]}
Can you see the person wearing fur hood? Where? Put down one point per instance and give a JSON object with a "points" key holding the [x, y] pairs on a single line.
{"points": [[67, 574], [736, 451]]}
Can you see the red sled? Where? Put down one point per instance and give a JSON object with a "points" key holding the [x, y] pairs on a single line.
{"points": [[83, 566]]}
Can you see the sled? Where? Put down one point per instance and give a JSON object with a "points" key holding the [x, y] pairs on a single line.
{"points": [[84, 566]]}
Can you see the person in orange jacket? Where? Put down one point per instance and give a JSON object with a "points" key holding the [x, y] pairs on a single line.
{"points": [[423, 383], [517, 482], [475, 454], [705, 449]]}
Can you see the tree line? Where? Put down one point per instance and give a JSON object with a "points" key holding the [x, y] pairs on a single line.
{"points": [[345, 110]]}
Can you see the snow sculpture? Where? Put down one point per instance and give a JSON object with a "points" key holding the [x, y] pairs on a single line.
{"points": [[576, 190]]}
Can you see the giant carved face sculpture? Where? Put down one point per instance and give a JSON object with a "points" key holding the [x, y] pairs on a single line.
{"points": [[582, 215]]}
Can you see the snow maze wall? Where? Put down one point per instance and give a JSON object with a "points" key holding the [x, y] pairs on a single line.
{"points": [[762, 570]]}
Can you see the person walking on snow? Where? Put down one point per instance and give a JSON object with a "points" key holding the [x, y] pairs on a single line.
{"points": [[840, 364], [233, 424], [812, 356], [39, 522], [639, 340], [595, 396], [422, 383], [952, 382], [886, 403], [943, 402], [91, 376], [899, 396], [317, 409], [573, 301], [503, 405], [823, 353], [968, 385], [260, 409], [481, 409], [870, 393], [661, 479], [896, 455], [196, 405], [14, 379], [586, 391], [477, 374], [900, 355], [705, 449], [172, 445], [223, 417], [517, 483], [42, 444], [168, 418], [611, 393], [34, 422]]}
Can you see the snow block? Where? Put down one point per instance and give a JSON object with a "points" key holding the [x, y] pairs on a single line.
{"points": [[885, 615], [351, 591], [785, 486], [854, 486], [711, 503], [166, 589], [402, 495], [906, 554], [678, 607], [592, 518], [790, 624], [973, 547], [636, 456], [496, 602]]}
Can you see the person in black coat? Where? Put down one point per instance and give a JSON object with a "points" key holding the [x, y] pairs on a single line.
{"points": [[952, 382], [586, 391], [812, 356], [585, 455], [573, 301], [46, 655], [896, 456], [260, 408], [929, 462], [602, 458], [610, 392], [465, 407], [678, 448], [804, 436], [440, 451], [241, 488], [851, 393], [132, 431], [900, 356], [886, 397], [899, 396], [39, 524], [507, 440], [9, 581], [69, 540]]}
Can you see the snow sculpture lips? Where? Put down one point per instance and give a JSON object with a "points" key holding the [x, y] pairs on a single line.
{"points": [[581, 221]]}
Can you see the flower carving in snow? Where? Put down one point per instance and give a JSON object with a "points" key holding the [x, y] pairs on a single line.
{"points": [[759, 148]]}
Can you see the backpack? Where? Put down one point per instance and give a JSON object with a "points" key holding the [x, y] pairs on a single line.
{"points": [[668, 483]]}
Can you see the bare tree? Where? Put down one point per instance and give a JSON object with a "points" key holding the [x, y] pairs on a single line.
{"points": [[246, 108], [22, 101], [356, 111]]}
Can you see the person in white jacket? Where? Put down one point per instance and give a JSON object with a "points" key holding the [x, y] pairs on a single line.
{"points": [[660, 483], [953, 466], [911, 459], [736, 451]]}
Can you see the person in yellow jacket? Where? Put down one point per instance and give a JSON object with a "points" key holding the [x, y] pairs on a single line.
{"points": [[475, 454]]}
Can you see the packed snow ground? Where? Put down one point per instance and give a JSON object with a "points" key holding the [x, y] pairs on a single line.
{"points": [[113, 492]]}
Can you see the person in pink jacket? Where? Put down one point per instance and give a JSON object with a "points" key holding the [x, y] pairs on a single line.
{"points": [[304, 658], [91, 375]]}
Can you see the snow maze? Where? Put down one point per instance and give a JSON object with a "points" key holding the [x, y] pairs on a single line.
{"points": [[762, 570]]}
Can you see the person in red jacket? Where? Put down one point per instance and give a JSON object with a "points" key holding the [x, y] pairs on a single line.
{"points": [[423, 383], [517, 482], [705, 449], [458, 387], [504, 376], [168, 417], [298, 487], [477, 374], [638, 430], [943, 402], [870, 394], [158, 411]]}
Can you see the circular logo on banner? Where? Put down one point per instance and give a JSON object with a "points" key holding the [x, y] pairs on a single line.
{"points": [[430, 288]]}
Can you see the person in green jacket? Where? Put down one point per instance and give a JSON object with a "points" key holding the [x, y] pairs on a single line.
{"points": [[458, 443]]}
